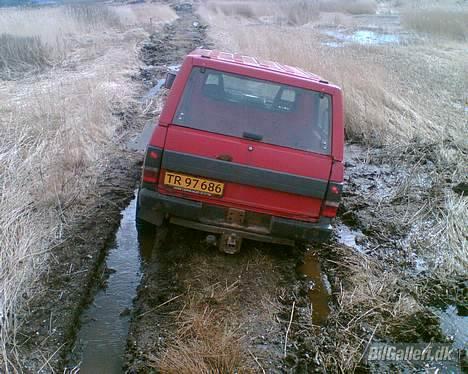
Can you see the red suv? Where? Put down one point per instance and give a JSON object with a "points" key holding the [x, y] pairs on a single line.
{"points": [[245, 148]]}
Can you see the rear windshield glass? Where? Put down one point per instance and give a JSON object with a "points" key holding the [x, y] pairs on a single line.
{"points": [[270, 112]]}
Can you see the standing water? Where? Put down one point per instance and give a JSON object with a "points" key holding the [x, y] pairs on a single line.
{"points": [[318, 290], [102, 338]]}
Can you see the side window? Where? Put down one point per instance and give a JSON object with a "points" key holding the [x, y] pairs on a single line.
{"points": [[324, 121]]}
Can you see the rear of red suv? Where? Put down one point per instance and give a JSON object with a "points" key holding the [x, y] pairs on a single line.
{"points": [[246, 148]]}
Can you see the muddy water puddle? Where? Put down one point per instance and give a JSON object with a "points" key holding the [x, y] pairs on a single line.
{"points": [[153, 91], [369, 29], [363, 37], [101, 341], [319, 287]]}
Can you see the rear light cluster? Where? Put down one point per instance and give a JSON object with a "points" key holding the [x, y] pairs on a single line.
{"points": [[151, 168], [332, 200]]}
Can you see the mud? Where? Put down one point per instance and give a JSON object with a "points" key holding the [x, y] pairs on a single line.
{"points": [[241, 289]]}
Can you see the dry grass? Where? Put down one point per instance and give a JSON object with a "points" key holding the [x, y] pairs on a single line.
{"points": [[451, 24], [439, 232], [52, 153], [371, 301], [57, 133], [291, 12], [22, 53], [351, 7], [227, 302], [144, 14], [298, 13], [207, 340], [93, 16], [29, 45], [232, 8]]}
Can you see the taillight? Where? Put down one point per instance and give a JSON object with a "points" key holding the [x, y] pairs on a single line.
{"points": [[332, 199], [151, 167]]}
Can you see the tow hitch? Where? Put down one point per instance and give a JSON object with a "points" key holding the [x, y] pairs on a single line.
{"points": [[230, 243]]}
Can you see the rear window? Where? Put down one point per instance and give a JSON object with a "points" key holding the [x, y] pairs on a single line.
{"points": [[269, 112]]}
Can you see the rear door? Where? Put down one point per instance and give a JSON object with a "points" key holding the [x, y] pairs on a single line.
{"points": [[251, 144]]}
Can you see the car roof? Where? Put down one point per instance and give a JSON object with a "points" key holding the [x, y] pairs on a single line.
{"points": [[241, 59]]}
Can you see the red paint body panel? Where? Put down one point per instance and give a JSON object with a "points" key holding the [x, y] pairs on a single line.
{"points": [[266, 156], [337, 172], [158, 138]]}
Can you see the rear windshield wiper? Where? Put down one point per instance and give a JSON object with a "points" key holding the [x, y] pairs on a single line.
{"points": [[252, 136]]}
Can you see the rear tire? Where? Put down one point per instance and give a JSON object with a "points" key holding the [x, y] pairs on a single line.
{"points": [[140, 224]]}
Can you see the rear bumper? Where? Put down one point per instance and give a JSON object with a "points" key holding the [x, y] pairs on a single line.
{"points": [[154, 207]]}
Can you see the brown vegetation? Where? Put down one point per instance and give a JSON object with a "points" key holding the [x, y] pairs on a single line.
{"points": [[29, 44], [22, 53], [351, 7], [226, 304], [294, 12], [206, 340], [451, 24]]}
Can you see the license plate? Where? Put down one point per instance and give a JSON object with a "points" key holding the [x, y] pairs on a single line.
{"points": [[193, 184]]}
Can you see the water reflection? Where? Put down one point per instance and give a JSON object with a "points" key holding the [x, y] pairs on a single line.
{"points": [[102, 338]]}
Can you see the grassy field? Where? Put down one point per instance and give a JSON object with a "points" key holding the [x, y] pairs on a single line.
{"points": [[66, 73]]}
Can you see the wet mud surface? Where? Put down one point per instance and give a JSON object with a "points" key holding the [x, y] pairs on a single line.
{"points": [[100, 342]]}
